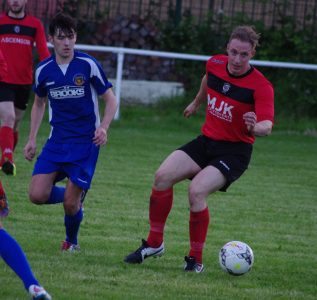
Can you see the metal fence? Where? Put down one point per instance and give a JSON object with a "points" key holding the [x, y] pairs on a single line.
{"points": [[121, 52], [304, 12]]}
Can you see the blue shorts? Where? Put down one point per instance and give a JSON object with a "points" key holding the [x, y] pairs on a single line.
{"points": [[75, 161]]}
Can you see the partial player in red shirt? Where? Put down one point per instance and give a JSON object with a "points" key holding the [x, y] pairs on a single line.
{"points": [[18, 33], [239, 106]]}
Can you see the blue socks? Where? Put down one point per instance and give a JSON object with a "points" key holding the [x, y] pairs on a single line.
{"points": [[13, 255], [72, 224], [57, 195]]}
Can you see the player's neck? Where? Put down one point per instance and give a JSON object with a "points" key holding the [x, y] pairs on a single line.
{"points": [[241, 73], [64, 60], [18, 15]]}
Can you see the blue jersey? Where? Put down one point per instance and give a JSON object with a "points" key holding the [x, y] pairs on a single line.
{"points": [[72, 92]]}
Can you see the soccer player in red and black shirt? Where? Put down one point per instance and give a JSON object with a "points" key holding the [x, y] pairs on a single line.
{"points": [[18, 33], [239, 106]]}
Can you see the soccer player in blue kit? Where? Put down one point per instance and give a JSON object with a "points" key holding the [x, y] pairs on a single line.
{"points": [[71, 81]]}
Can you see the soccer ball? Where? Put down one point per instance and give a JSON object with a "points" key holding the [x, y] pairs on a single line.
{"points": [[236, 258]]}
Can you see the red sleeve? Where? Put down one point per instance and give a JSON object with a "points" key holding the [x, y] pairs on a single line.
{"points": [[41, 43], [264, 102]]}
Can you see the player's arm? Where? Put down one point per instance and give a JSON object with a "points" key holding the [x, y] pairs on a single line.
{"points": [[199, 99], [260, 121], [37, 113], [101, 133], [261, 128]]}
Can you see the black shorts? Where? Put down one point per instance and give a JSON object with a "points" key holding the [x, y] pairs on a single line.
{"points": [[17, 93], [230, 158]]}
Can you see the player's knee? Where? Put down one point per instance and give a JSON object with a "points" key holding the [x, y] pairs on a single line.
{"points": [[8, 120], [70, 207], [37, 198], [195, 195], [162, 179]]}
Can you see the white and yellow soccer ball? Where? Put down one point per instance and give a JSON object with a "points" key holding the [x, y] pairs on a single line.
{"points": [[236, 258]]}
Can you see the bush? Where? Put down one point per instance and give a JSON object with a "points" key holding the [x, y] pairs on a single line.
{"points": [[296, 95], [295, 92]]}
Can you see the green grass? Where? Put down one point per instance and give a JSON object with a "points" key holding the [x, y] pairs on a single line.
{"points": [[272, 208]]}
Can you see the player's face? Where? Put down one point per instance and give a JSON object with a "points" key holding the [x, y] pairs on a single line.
{"points": [[16, 6], [64, 44], [239, 55]]}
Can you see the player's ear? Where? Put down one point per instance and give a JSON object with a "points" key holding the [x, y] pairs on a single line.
{"points": [[50, 39]]}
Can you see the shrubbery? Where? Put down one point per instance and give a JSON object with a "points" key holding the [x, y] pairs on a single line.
{"points": [[296, 94], [295, 90]]}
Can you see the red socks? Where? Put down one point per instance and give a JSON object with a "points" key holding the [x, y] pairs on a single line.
{"points": [[160, 205], [6, 143], [1, 189], [198, 227], [15, 139]]}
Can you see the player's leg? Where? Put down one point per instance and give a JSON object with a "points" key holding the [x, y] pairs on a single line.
{"points": [[7, 117], [57, 194], [176, 167], [48, 192], [45, 174], [207, 181], [204, 183], [218, 175], [73, 216], [42, 191], [22, 94], [18, 118], [15, 258], [80, 176]]}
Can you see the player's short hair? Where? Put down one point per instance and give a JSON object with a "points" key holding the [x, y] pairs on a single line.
{"points": [[64, 23], [246, 34]]}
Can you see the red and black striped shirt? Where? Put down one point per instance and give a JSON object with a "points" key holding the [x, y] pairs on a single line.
{"points": [[17, 38], [229, 97]]}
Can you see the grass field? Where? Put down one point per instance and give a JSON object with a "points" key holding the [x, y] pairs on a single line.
{"points": [[272, 208]]}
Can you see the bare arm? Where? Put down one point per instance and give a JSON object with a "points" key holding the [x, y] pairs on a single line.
{"points": [[101, 133], [261, 128], [199, 99], [37, 113]]}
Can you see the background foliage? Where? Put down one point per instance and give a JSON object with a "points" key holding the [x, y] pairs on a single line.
{"points": [[296, 93], [287, 37]]}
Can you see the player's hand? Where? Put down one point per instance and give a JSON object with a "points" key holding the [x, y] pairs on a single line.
{"points": [[190, 109], [250, 120], [29, 150], [100, 137]]}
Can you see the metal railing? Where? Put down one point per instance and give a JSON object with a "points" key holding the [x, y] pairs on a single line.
{"points": [[122, 51]]}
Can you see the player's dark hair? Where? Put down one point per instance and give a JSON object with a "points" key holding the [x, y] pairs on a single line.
{"points": [[246, 34], [64, 23]]}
